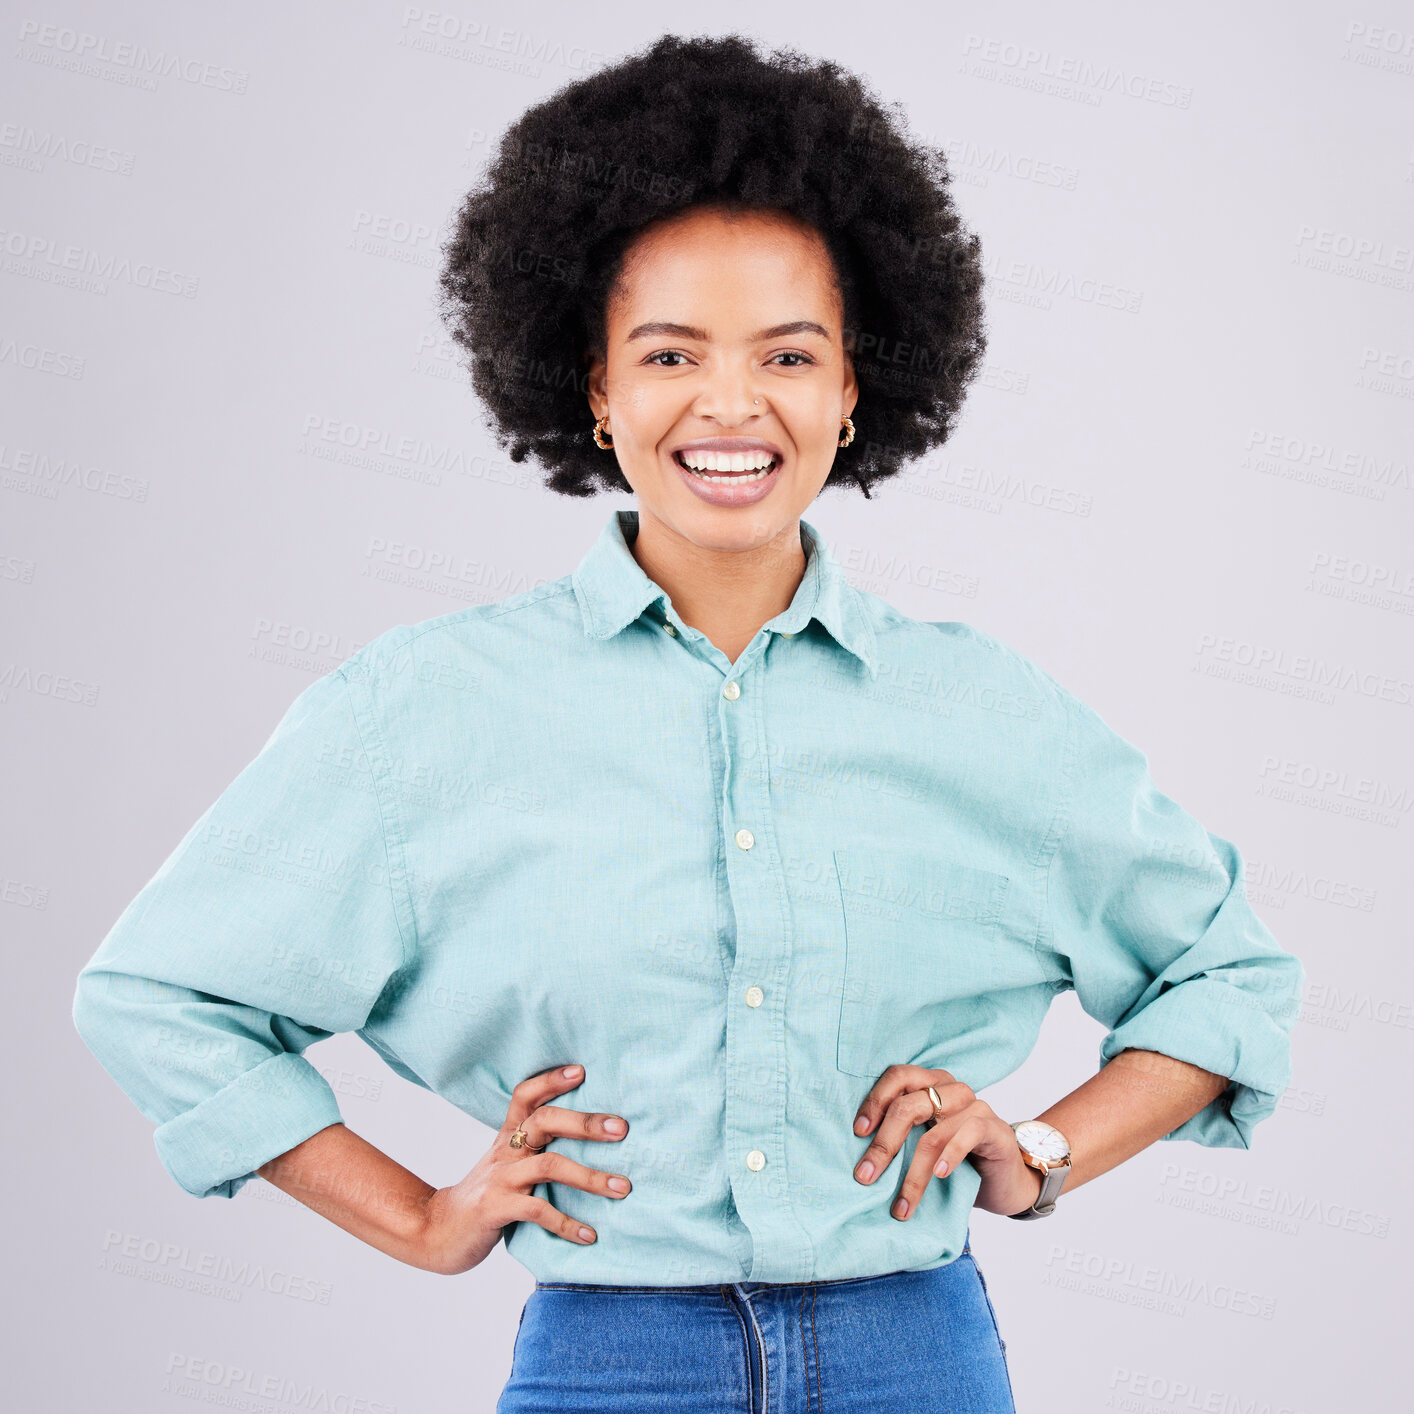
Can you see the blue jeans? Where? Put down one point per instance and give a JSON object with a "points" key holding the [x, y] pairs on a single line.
{"points": [[904, 1342]]}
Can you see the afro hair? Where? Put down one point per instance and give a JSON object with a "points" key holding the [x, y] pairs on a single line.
{"points": [[538, 242]]}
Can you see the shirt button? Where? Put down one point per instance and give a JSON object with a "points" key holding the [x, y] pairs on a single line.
{"points": [[754, 996], [731, 692], [745, 839], [756, 1160], [668, 628], [784, 634]]}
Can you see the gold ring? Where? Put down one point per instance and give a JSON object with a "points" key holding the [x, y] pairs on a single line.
{"points": [[518, 1142], [935, 1100]]}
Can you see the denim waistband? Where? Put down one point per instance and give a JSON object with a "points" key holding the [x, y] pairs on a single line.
{"points": [[714, 1288]]}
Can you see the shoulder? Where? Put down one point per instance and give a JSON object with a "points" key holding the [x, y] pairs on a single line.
{"points": [[967, 667], [455, 647], [1086, 734], [962, 654]]}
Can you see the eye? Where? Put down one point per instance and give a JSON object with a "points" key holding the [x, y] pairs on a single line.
{"points": [[793, 353], [666, 353]]}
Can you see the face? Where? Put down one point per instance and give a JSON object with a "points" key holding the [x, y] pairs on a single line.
{"points": [[724, 353]]}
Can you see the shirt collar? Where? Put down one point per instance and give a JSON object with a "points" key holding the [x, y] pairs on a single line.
{"points": [[613, 590]]}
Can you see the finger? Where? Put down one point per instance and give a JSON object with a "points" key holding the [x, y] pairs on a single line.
{"points": [[954, 1095], [907, 1112], [555, 1167], [922, 1167], [536, 1089], [895, 1081], [968, 1134], [537, 1210], [556, 1122]]}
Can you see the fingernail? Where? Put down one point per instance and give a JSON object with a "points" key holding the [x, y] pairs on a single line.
{"points": [[571, 1071], [619, 1185], [861, 1124], [585, 1234], [615, 1126], [864, 1172], [901, 1208], [940, 1168]]}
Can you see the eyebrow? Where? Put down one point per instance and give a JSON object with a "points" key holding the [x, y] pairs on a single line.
{"points": [[662, 328]]}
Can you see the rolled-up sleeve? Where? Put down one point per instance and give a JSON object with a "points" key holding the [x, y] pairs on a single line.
{"points": [[1148, 920], [277, 921]]}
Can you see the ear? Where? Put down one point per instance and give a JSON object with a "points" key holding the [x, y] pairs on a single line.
{"points": [[597, 384], [851, 385]]}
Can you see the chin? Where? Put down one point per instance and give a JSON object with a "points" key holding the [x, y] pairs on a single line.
{"points": [[738, 528]]}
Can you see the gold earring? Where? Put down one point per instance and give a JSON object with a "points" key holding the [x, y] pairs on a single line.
{"points": [[848, 428], [601, 427]]}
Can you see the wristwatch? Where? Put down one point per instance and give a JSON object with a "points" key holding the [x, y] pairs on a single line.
{"points": [[1043, 1147]]}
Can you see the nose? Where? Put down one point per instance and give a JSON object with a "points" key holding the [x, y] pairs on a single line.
{"points": [[729, 395]]}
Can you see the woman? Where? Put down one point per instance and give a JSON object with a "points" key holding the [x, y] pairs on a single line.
{"points": [[699, 852]]}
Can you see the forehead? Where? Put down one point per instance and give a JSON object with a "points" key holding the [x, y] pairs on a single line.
{"points": [[711, 256]]}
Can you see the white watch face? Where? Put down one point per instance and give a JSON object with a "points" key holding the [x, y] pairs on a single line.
{"points": [[1042, 1140]]}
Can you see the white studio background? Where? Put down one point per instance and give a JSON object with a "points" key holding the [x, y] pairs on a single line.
{"points": [[237, 444]]}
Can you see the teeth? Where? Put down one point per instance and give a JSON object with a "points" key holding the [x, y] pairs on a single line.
{"points": [[727, 461], [735, 480]]}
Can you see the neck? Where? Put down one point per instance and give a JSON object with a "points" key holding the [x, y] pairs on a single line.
{"points": [[724, 594]]}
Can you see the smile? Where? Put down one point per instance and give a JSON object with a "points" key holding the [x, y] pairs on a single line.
{"points": [[727, 466]]}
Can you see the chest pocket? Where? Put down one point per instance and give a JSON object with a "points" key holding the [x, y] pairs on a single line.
{"points": [[923, 952]]}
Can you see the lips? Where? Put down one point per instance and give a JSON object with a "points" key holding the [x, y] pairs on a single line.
{"points": [[729, 471]]}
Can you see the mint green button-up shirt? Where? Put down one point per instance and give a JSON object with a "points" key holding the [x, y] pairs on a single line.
{"points": [[564, 828]]}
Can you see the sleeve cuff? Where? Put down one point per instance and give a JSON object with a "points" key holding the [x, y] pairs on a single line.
{"points": [[1224, 1029], [214, 1149]]}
